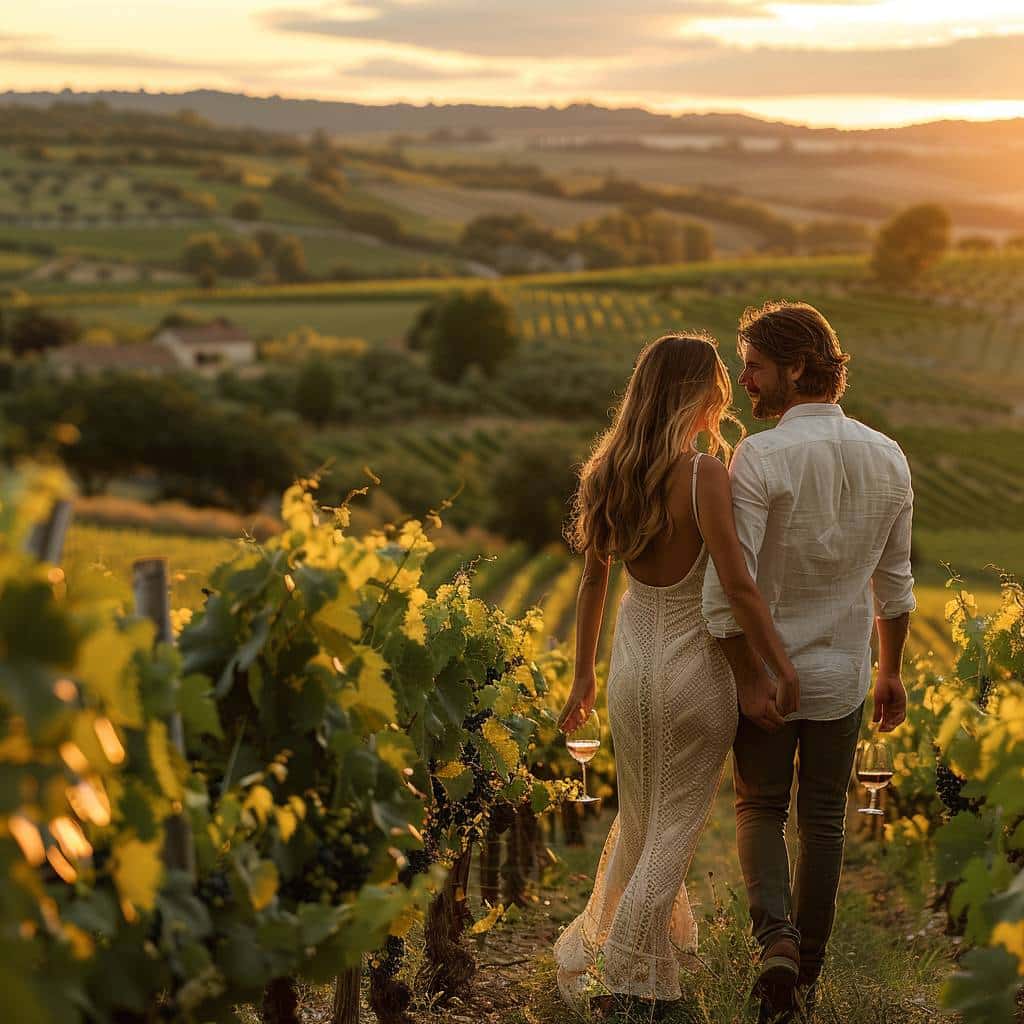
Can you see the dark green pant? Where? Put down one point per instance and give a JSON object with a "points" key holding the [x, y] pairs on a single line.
{"points": [[763, 771]]}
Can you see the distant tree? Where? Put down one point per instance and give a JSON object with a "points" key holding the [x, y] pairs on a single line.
{"points": [[118, 208], [470, 328], [267, 239], [418, 335], [290, 260], [249, 207], [202, 251], [698, 242], [910, 243], [68, 210], [32, 330], [314, 392], [204, 203], [179, 318], [532, 484], [490, 230], [34, 151], [243, 257]]}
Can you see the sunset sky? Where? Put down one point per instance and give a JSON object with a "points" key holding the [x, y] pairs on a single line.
{"points": [[866, 63]]}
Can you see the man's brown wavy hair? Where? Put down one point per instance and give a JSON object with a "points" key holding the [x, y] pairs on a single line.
{"points": [[787, 332]]}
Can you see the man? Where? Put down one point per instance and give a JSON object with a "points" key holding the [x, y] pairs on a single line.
{"points": [[823, 511]]}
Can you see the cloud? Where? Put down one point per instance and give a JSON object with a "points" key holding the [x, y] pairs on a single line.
{"points": [[986, 67], [128, 60], [564, 29], [407, 71]]}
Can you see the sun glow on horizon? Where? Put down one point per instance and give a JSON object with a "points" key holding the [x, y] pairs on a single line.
{"points": [[775, 65]]}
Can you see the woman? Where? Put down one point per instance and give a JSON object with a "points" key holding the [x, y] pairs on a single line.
{"points": [[648, 497]]}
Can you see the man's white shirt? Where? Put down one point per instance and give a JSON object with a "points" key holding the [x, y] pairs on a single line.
{"points": [[823, 509]]}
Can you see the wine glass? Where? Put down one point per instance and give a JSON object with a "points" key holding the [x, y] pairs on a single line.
{"points": [[582, 744], [874, 771]]}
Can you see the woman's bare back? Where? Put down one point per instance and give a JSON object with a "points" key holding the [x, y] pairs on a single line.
{"points": [[667, 559]]}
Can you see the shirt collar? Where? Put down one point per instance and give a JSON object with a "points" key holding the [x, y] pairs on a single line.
{"points": [[812, 409]]}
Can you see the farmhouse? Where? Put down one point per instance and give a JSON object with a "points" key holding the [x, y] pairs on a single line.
{"points": [[210, 348], [204, 350]]}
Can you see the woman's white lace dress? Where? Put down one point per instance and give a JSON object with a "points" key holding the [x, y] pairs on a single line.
{"points": [[672, 710]]}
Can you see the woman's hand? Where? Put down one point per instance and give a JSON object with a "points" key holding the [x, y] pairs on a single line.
{"points": [[787, 693], [582, 698]]}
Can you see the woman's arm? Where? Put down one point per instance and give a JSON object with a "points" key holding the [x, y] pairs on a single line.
{"points": [[718, 525], [589, 613]]}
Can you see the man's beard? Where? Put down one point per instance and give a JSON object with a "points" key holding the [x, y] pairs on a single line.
{"points": [[768, 405]]}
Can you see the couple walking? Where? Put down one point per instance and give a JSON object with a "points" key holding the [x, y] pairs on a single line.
{"points": [[746, 625]]}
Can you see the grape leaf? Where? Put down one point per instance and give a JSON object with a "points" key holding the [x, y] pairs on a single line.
{"points": [[138, 871], [985, 991], [964, 836]]}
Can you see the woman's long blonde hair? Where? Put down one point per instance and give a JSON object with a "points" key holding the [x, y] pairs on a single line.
{"points": [[679, 388]]}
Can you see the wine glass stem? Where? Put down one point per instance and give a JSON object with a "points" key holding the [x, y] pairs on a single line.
{"points": [[583, 765], [874, 799]]}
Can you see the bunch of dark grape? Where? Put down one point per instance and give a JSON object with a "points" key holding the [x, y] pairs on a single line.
{"points": [[340, 864], [473, 723], [948, 786], [214, 890], [388, 960], [417, 862]]}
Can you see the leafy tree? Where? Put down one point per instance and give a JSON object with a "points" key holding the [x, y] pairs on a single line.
{"points": [[290, 260], [314, 392], [248, 208], [243, 257], [32, 330], [698, 242], [910, 243], [470, 328], [204, 203], [267, 239], [532, 485], [201, 251]]}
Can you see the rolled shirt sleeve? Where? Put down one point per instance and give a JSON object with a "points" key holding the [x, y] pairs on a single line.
{"points": [[750, 507], [892, 582]]}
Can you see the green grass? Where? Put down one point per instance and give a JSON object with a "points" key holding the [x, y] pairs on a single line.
{"points": [[112, 550], [157, 245], [376, 322], [324, 253]]}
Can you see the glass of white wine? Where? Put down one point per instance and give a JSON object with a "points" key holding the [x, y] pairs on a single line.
{"points": [[874, 771], [582, 744]]}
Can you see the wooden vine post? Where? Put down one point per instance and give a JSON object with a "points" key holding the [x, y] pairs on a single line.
{"points": [[152, 601], [46, 540]]}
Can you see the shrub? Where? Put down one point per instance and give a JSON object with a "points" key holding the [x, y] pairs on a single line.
{"points": [[470, 327], [910, 243]]}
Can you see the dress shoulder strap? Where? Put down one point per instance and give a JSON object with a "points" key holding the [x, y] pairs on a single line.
{"points": [[693, 473]]}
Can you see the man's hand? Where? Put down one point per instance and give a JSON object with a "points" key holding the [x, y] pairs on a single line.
{"points": [[581, 701], [890, 700], [759, 703], [787, 697]]}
